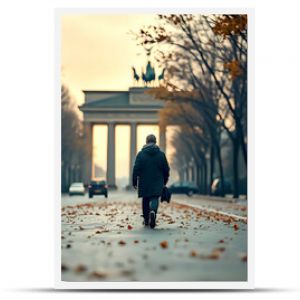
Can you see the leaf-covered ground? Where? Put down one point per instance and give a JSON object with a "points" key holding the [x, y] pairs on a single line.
{"points": [[104, 240]]}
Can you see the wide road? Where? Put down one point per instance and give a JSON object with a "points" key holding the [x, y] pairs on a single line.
{"points": [[195, 240]]}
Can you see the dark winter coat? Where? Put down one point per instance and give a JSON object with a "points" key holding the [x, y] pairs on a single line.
{"points": [[150, 171]]}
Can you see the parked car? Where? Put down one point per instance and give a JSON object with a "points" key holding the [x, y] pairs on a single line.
{"points": [[76, 188], [97, 187], [188, 188], [216, 187]]}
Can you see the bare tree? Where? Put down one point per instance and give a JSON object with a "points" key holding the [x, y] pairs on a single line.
{"points": [[206, 63], [73, 149]]}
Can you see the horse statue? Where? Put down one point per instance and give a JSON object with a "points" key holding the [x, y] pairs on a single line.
{"points": [[162, 74], [147, 77], [150, 72], [135, 75]]}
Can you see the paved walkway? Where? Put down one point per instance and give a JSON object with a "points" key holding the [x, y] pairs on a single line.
{"points": [[104, 240]]}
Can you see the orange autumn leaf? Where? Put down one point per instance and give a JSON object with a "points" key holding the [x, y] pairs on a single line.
{"points": [[214, 255], [234, 68], [164, 244], [220, 249], [244, 258], [80, 269], [97, 274], [227, 25]]}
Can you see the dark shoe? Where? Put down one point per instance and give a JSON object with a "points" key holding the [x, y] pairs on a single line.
{"points": [[152, 219], [146, 221]]}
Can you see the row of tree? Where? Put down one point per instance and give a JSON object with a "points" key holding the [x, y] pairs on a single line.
{"points": [[205, 87], [73, 148]]}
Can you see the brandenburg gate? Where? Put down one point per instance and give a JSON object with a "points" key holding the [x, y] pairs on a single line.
{"points": [[133, 107]]}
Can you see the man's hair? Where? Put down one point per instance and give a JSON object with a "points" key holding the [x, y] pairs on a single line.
{"points": [[151, 139]]}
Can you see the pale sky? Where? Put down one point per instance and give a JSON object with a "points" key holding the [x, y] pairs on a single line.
{"points": [[98, 51], [97, 54]]}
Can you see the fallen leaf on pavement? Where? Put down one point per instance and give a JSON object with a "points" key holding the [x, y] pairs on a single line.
{"points": [[64, 268], [80, 269], [221, 249], [214, 255], [164, 244], [127, 272], [193, 253], [244, 258], [97, 274]]}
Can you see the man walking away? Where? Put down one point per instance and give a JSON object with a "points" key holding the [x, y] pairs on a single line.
{"points": [[150, 174]]}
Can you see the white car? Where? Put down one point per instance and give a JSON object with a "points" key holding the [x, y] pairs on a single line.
{"points": [[76, 188]]}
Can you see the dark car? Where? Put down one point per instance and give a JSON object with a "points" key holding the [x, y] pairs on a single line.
{"points": [[216, 187], [188, 188], [97, 187]]}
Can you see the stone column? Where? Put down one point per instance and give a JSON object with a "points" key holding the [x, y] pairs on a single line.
{"points": [[88, 132], [133, 145], [110, 173], [162, 138]]}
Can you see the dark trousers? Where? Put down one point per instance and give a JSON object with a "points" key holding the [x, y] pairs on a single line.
{"points": [[150, 203]]}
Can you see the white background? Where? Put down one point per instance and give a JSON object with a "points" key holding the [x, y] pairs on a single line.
{"points": [[27, 161]]}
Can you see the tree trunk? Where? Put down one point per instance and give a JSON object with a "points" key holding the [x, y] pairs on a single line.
{"points": [[198, 177], [240, 134], [200, 180], [205, 176], [212, 167], [236, 145], [219, 158]]}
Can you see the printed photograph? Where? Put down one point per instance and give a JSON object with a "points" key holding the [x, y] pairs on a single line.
{"points": [[154, 147]]}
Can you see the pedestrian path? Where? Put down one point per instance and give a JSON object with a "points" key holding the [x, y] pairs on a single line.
{"points": [[105, 240]]}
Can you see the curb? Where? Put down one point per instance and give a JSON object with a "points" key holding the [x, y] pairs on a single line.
{"points": [[219, 199], [211, 210]]}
